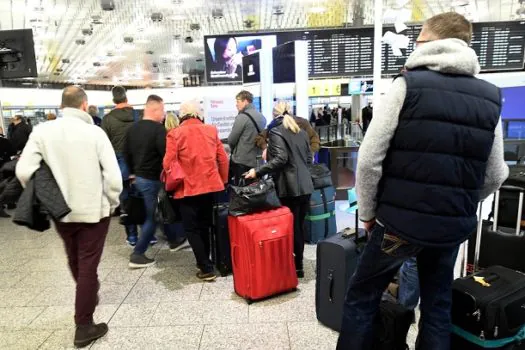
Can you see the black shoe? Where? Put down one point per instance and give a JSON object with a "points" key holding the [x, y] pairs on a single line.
{"points": [[3, 214], [11, 206], [206, 276], [176, 246], [300, 273], [86, 334], [137, 261]]}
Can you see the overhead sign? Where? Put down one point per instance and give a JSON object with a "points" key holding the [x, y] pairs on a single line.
{"points": [[324, 88]]}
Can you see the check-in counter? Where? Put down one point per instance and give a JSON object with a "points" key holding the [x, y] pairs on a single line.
{"points": [[342, 161]]}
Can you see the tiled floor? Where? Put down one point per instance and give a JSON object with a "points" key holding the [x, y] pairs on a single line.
{"points": [[162, 307]]}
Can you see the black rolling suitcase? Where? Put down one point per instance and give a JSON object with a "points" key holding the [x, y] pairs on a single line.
{"points": [[488, 307], [337, 258], [220, 238], [500, 245]]}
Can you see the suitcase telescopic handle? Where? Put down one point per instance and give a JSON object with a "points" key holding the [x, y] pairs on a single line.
{"points": [[479, 229]]}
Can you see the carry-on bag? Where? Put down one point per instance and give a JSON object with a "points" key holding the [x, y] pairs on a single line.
{"points": [[391, 326], [488, 307], [321, 175], [500, 245], [262, 254], [320, 222], [337, 259], [256, 197], [220, 240]]}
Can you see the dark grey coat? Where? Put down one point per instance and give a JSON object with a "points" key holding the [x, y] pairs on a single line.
{"points": [[41, 200]]}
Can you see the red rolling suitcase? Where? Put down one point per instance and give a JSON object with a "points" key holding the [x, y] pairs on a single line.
{"points": [[262, 254]]}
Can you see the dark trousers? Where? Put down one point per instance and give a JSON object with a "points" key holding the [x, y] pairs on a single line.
{"points": [[197, 219], [299, 207], [84, 244], [379, 262]]}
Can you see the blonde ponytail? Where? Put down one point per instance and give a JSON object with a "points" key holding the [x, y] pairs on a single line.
{"points": [[290, 124]]}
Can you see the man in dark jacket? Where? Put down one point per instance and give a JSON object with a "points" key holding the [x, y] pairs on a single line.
{"points": [[248, 124], [116, 125], [144, 151], [6, 150], [19, 134], [432, 151]]}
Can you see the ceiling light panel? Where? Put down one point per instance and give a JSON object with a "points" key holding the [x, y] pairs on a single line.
{"points": [[58, 24]]}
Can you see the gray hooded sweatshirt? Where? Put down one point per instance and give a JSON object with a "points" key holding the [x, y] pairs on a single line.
{"points": [[451, 56]]}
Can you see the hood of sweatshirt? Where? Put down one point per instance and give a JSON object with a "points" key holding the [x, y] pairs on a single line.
{"points": [[123, 114], [452, 56]]}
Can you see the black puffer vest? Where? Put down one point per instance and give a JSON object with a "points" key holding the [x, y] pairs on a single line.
{"points": [[437, 159]]}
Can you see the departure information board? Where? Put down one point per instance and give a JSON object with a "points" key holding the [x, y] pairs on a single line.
{"points": [[499, 45], [349, 51], [336, 52], [346, 52]]}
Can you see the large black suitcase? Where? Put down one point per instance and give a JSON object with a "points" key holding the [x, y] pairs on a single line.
{"points": [[337, 259], [220, 240], [504, 246], [488, 307]]}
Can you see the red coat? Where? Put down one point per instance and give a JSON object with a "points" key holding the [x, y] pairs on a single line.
{"points": [[200, 154]]}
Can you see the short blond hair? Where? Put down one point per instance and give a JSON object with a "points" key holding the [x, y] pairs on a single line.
{"points": [[450, 25], [171, 121]]}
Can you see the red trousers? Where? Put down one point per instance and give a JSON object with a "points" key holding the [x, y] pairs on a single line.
{"points": [[84, 244]]}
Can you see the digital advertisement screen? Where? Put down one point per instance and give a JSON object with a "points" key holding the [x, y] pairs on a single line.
{"points": [[17, 54], [251, 70], [224, 54], [284, 63]]}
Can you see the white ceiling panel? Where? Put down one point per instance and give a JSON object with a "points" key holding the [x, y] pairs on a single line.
{"points": [[159, 53]]}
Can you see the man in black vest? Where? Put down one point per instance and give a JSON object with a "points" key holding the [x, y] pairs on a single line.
{"points": [[433, 150]]}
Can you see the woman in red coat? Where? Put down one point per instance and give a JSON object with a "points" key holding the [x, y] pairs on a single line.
{"points": [[200, 153]]}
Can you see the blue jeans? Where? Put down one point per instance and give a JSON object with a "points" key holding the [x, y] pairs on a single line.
{"points": [[379, 262], [131, 230], [408, 294], [150, 191]]}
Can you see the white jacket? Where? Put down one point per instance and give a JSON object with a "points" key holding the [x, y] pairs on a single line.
{"points": [[82, 161]]}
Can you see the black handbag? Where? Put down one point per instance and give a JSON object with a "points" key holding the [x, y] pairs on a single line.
{"points": [[167, 212], [321, 175], [258, 196], [135, 209]]}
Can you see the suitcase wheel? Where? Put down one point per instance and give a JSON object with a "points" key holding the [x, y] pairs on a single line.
{"points": [[249, 301]]}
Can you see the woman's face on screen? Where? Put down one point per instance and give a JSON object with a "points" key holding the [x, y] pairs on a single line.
{"points": [[231, 49]]}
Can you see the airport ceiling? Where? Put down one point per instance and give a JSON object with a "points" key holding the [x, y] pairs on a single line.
{"points": [[168, 34]]}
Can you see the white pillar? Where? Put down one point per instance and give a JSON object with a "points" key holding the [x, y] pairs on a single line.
{"points": [[378, 35], [301, 79], [266, 74]]}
